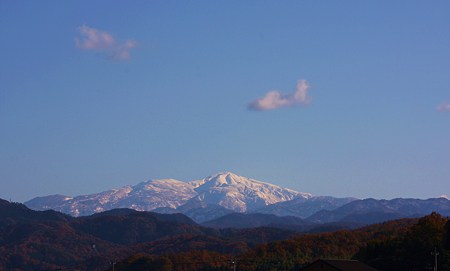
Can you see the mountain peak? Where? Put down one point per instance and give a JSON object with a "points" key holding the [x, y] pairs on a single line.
{"points": [[241, 193], [225, 173], [227, 189], [228, 178]]}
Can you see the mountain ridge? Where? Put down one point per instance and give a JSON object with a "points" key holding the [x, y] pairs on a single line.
{"points": [[226, 189], [225, 193], [375, 211]]}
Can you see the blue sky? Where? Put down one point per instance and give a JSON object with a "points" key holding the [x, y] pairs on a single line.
{"points": [[348, 98]]}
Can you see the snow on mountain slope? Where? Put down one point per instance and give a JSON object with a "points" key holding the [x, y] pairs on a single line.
{"points": [[144, 196], [153, 194], [227, 190], [55, 202], [241, 194]]}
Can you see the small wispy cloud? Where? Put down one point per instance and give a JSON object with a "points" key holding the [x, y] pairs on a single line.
{"points": [[94, 39], [443, 107], [275, 99], [123, 51], [102, 41]]}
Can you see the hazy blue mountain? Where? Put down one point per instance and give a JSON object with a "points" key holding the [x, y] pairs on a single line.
{"points": [[369, 211], [240, 221], [304, 207]]}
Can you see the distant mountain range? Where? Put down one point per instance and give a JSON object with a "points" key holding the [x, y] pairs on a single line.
{"points": [[49, 240], [219, 197], [255, 220], [230, 191], [352, 215], [369, 211]]}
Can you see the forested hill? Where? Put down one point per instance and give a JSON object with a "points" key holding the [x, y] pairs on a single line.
{"points": [[48, 240], [404, 244]]}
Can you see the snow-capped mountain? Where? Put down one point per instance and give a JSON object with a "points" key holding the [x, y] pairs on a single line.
{"points": [[224, 193], [233, 192], [144, 196], [241, 194]]}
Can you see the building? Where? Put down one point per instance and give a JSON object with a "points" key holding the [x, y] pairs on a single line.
{"points": [[337, 265]]}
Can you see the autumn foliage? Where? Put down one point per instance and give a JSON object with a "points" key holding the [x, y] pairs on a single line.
{"points": [[131, 240]]}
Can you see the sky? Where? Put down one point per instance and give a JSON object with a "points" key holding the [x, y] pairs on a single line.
{"points": [[340, 98]]}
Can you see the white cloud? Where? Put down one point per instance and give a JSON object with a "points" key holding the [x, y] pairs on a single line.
{"points": [[275, 99], [102, 41], [94, 39], [443, 107]]}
